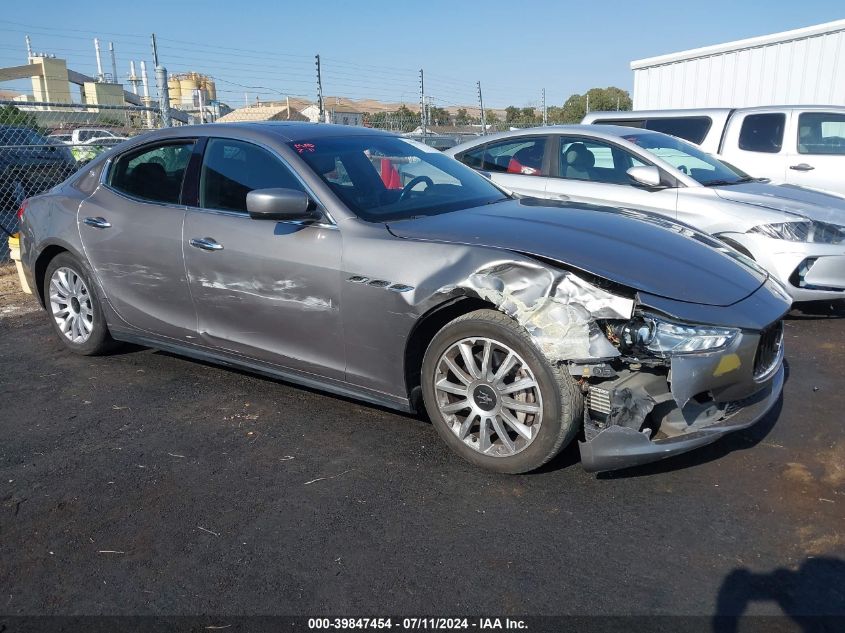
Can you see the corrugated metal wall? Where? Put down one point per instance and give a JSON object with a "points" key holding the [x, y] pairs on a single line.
{"points": [[805, 67]]}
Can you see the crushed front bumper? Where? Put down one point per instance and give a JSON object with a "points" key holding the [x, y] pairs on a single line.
{"points": [[621, 447]]}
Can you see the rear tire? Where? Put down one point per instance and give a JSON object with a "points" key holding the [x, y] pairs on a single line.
{"points": [[74, 308], [494, 398]]}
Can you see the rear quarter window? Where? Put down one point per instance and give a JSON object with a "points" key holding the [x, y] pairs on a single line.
{"points": [[692, 129]]}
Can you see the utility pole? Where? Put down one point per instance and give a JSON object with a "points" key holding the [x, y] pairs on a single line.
{"points": [[28, 49], [481, 107], [588, 103], [545, 118], [319, 91], [422, 103], [155, 51]]}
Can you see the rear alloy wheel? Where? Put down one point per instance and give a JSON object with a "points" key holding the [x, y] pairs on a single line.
{"points": [[74, 308], [494, 398]]}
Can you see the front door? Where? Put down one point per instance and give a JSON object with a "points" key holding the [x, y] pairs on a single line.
{"points": [[595, 172], [131, 230], [263, 289]]}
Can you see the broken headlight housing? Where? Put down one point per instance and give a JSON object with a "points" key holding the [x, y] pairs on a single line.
{"points": [[803, 231], [665, 338]]}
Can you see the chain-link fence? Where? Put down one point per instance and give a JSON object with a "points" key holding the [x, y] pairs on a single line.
{"points": [[441, 135], [41, 144]]}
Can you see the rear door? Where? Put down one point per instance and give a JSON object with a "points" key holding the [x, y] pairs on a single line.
{"points": [[594, 171], [816, 155], [519, 164], [263, 289], [131, 230]]}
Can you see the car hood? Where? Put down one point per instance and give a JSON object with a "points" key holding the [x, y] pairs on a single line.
{"points": [[640, 250], [799, 201]]}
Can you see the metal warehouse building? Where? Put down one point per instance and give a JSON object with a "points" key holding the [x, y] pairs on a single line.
{"points": [[804, 66]]}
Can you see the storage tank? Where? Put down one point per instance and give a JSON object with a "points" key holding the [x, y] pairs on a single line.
{"points": [[210, 89], [174, 91], [187, 84]]}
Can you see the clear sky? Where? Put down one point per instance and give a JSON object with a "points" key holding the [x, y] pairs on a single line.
{"points": [[374, 49]]}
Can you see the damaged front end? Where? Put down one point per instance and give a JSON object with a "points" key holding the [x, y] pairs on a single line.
{"points": [[654, 386]]}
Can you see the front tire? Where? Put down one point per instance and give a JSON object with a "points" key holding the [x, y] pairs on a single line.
{"points": [[74, 308], [494, 398]]}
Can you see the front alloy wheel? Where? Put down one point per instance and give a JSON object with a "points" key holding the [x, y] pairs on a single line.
{"points": [[493, 396], [488, 396]]}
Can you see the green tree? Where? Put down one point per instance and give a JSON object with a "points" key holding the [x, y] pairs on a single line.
{"points": [[462, 117], [512, 115], [406, 119], [438, 116], [10, 115], [599, 99]]}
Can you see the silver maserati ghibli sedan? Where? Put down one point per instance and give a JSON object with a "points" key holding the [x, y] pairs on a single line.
{"points": [[377, 268]]}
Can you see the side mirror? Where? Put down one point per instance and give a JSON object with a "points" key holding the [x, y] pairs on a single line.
{"points": [[279, 204], [648, 176]]}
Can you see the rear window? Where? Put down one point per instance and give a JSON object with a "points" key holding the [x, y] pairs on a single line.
{"points": [[690, 128], [762, 132]]}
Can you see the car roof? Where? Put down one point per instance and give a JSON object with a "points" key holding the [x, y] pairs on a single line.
{"points": [[291, 131], [606, 132]]}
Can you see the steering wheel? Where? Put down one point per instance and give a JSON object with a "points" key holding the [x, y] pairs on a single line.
{"points": [[683, 169], [406, 190]]}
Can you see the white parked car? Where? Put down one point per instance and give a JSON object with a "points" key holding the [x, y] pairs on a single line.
{"points": [[799, 145], [83, 135], [797, 234]]}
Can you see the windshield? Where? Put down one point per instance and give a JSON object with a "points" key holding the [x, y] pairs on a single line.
{"points": [[382, 178], [687, 158]]}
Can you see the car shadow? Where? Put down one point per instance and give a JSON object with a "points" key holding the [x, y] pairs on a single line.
{"points": [[813, 596], [812, 310]]}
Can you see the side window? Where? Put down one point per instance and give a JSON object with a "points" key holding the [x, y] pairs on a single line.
{"points": [[692, 129], [523, 156], [583, 159], [154, 174], [231, 169], [473, 158], [821, 133], [762, 132]]}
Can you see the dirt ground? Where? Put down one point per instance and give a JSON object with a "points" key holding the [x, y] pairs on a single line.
{"points": [[145, 483]]}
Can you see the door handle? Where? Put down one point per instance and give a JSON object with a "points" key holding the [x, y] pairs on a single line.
{"points": [[561, 196], [802, 167], [97, 223], [206, 244]]}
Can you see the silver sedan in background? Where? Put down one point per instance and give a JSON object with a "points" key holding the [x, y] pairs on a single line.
{"points": [[796, 234]]}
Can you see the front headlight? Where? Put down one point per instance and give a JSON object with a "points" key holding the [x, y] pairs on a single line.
{"points": [[803, 231], [665, 338]]}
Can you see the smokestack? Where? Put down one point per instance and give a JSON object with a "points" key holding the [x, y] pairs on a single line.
{"points": [[113, 64], [146, 100], [99, 61], [133, 78]]}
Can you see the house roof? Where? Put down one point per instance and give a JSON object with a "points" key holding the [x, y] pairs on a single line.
{"points": [[263, 112]]}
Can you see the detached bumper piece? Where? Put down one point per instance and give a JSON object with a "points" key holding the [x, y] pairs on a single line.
{"points": [[614, 415]]}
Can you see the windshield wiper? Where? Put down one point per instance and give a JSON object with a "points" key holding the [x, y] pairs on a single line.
{"points": [[723, 183]]}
